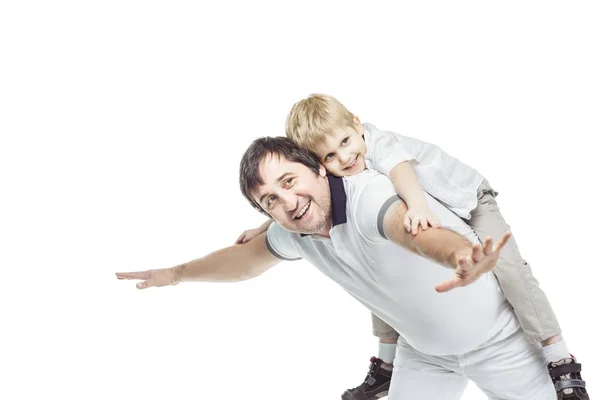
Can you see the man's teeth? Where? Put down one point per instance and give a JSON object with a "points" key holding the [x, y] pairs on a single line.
{"points": [[303, 211]]}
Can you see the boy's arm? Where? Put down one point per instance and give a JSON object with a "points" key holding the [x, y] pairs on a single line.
{"points": [[390, 157], [407, 186], [235, 263], [252, 233], [265, 225]]}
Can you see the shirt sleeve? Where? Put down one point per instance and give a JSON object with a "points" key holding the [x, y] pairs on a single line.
{"points": [[281, 243], [386, 151], [374, 200], [450, 220], [371, 203]]}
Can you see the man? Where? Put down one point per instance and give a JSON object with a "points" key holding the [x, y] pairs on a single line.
{"points": [[351, 229]]}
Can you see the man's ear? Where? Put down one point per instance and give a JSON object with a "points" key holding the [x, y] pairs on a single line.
{"points": [[322, 170]]}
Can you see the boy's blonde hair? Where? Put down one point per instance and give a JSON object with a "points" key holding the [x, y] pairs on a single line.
{"points": [[311, 119]]}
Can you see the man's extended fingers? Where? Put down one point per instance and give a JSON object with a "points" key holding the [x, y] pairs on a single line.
{"points": [[477, 253], [487, 245], [465, 264], [502, 241], [450, 284], [133, 275]]}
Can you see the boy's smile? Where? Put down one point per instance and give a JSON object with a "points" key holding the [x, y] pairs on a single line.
{"points": [[343, 151]]}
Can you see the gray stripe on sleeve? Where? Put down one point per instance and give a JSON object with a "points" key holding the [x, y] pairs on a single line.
{"points": [[276, 254], [384, 208]]}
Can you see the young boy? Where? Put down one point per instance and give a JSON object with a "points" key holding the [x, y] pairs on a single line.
{"points": [[346, 147]]}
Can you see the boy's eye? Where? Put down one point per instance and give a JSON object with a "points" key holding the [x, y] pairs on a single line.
{"points": [[288, 182], [328, 156], [270, 201], [345, 141]]}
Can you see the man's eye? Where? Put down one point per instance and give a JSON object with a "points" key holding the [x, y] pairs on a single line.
{"points": [[288, 181], [328, 157], [270, 201], [345, 141]]}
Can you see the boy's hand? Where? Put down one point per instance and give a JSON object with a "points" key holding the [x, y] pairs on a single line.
{"points": [[423, 217], [248, 235], [472, 266]]}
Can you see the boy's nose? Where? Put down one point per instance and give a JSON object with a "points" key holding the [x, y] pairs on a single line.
{"points": [[344, 158]]}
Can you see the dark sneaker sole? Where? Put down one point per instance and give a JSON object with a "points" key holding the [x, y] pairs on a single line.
{"points": [[351, 396]]}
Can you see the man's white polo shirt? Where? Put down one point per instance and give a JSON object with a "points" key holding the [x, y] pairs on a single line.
{"points": [[395, 284]]}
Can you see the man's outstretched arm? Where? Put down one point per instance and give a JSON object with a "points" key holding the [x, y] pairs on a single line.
{"points": [[442, 245], [235, 263], [445, 247]]}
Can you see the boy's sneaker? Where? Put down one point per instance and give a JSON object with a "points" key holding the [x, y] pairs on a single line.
{"points": [[566, 376], [375, 386]]}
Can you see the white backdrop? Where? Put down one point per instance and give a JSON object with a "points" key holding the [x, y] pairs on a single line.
{"points": [[122, 126]]}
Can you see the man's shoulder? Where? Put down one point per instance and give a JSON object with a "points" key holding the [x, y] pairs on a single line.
{"points": [[283, 243], [373, 181], [299, 241], [281, 232], [292, 245], [367, 194]]}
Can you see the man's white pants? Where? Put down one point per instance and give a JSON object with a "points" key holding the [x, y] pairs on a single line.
{"points": [[508, 369]]}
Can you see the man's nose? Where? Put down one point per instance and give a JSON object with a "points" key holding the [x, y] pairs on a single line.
{"points": [[289, 202]]}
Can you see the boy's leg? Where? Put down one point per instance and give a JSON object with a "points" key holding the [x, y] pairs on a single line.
{"points": [[522, 290], [377, 382], [388, 338], [511, 368], [514, 273]]}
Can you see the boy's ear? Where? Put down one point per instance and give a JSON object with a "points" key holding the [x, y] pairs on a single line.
{"points": [[357, 123]]}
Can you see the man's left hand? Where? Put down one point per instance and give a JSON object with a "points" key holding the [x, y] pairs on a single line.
{"points": [[471, 266]]}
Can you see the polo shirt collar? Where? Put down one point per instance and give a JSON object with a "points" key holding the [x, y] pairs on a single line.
{"points": [[338, 201]]}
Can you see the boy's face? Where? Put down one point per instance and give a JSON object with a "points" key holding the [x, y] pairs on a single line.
{"points": [[343, 152]]}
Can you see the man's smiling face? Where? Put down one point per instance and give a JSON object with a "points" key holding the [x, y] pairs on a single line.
{"points": [[294, 196]]}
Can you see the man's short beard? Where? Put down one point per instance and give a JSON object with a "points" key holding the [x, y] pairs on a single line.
{"points": [[324, 200], [319, 228]]}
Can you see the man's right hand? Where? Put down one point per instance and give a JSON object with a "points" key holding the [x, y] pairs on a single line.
{"points": [[150, 278], [471, 266]]}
